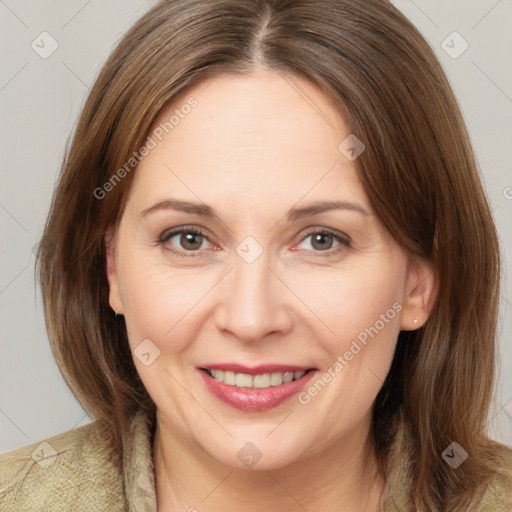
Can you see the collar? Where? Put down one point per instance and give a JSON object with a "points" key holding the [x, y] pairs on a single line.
{"points": [[138, 467]]}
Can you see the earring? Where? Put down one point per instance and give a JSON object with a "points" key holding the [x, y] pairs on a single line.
{"points": [[415, 320]]}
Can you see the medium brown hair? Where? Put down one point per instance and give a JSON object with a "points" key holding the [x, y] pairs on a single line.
{"points": [[418, 171]]}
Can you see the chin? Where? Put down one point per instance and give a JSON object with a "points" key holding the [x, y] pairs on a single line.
{"points": [[257, 452]]}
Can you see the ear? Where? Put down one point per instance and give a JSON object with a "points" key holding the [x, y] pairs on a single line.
{"points": [[113, 283], [421, 290]]}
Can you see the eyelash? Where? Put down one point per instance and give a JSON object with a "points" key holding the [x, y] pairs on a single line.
{"points": [[167, 235]]}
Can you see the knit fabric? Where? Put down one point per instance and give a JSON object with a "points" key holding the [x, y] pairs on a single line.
{"points": [[73, 472]]}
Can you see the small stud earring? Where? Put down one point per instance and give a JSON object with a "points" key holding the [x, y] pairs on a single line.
{"points": [[415, 320]]}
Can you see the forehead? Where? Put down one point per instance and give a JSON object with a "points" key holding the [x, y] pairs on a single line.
{"points": [[236, 113], [264, 133]]}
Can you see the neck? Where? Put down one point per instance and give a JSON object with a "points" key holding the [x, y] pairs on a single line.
{"points": [[343, 478]]}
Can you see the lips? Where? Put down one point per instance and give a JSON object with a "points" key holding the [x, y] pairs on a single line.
{"points": [[255, 388], [256, 370]]}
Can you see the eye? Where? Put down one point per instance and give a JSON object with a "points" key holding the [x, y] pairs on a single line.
{"points": [[324, 241], [188, 241]]}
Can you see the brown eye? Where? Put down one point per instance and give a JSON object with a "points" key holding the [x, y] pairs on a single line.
{"points": [[322, 241], [325, 242], [191, 241], [183, 241]]}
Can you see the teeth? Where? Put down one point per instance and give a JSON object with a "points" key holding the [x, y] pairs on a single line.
{"points": [[276, 379], [243, 380], [229, 377], [261, 381], [288, 377], [265, 380]]}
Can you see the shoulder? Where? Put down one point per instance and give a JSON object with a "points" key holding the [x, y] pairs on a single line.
{"points": [[494, 496], [498, 495], [70, 471]]}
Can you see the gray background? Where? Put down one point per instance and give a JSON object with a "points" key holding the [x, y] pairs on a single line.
{"points": [[39, 102]]}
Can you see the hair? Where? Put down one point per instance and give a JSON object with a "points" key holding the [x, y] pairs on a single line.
{"points": [[418, 170]]}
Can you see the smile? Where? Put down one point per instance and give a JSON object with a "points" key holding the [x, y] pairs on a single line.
{"points": [[261, 381], [256, 389]]}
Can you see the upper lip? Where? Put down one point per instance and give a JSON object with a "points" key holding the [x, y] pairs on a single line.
{"points": [[256, 370]]}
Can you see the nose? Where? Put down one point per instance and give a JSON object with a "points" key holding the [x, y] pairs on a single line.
{"points": [[254, 303]]}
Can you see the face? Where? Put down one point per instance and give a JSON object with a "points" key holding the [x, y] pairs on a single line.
{"points": [[257, 312]]}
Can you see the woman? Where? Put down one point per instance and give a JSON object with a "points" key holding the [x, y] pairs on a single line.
{"points": [[270, 273]]}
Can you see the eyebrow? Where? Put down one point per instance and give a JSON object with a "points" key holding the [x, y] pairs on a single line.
{"points": [[204, 210]]}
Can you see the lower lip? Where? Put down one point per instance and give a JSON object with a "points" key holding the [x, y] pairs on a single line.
{"points": [[255, 399]]}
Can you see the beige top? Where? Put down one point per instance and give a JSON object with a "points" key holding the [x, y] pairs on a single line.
{"points": [[72, 471]]}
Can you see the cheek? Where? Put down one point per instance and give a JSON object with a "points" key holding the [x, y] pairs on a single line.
{"points": [[157, 301], [362, 308], [355, 303]]}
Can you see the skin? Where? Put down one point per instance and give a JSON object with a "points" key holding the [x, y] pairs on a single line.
{"points": [[253, 148]]}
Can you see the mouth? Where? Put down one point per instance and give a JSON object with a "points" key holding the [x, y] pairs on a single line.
{"points": [[255, 389], [258, 381]]}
